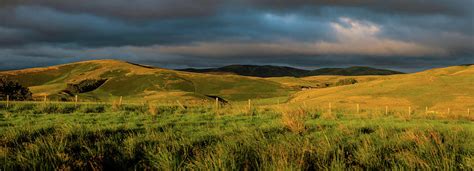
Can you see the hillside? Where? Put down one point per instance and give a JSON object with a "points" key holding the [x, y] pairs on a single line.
{"points": [[437, 89], [352, 71], [281, 71], [107, 80], [110, 79], [254, 70]]}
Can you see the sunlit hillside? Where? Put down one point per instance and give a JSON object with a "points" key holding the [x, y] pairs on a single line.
{"points": [[437, 89], [142, 83]]}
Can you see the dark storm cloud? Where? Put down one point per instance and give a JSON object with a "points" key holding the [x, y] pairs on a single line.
{"points": [[177, 33], [52, 26], [414, 7], [137, 9], [153, 9]]}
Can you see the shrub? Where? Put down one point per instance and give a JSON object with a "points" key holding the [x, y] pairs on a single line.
{"points": [[14, 90], [85, 85]]}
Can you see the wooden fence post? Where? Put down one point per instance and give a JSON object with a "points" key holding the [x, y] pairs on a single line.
{"points": [[409, 110], [217, 103], [358, 108], [250, 105], [120, 101], [386, 110], [8, 100], [75, 101]]}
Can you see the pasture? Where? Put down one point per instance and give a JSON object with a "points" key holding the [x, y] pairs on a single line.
{"points": [[48, 136]]}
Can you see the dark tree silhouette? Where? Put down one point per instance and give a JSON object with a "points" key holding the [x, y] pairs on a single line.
{"points": [[14, 90]]}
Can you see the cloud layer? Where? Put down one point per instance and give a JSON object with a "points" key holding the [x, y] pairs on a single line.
{"points": [[405, 34]]}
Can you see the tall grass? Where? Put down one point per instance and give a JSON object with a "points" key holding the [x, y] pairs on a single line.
{"points": [[163, 137]]}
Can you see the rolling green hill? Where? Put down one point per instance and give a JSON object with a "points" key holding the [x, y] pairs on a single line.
{"points": [[437, 89], [281, 71], [107, 80], [138, 83]]}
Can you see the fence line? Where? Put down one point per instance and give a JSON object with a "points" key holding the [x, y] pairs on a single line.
{"points": [[330, 109]]}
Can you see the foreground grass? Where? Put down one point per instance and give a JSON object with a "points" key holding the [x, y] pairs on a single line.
{"points": [[171, 137]]}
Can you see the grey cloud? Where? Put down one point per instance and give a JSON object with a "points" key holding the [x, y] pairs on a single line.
{"points": [[153, 9], [51, 26], [411, 7], [44, 32], [138, 9]]}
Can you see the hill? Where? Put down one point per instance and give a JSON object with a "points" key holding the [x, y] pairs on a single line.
{"points": [[253, 70], [352, 71], [106, 80], [437, 89], [281, 71]]}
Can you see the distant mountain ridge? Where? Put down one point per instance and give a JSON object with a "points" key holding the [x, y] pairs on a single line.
{"points": [[282, 71]]}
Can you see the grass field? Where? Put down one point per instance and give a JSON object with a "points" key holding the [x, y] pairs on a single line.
{"points": [[201, 137], [137, 82], [437, 89]]}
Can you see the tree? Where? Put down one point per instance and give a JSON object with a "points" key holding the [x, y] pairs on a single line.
{"points": [[14, 90]]}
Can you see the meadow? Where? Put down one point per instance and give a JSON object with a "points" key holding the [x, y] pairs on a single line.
{"points": [[46, 136]]}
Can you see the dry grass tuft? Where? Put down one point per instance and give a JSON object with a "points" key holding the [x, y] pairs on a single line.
{"points": [[115, 106], [152, 109], [294, 119]]}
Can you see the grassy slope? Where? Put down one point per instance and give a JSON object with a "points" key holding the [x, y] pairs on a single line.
{"points": [[439, 88], [313, 81], [443, 88], [137, 82]]}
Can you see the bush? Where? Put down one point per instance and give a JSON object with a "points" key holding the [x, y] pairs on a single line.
{"points": [[85, 85], [346, 81], [14, 90]]}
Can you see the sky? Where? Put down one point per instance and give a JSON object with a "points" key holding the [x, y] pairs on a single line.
{"points": [[406, 35]]}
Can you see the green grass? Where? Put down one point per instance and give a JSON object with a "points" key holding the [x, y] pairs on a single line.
{"points": [[135, 82], [103, 136], [437, 89]]}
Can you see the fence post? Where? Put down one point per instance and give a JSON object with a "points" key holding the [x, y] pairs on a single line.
{"points": [[386, 110], [217, 103], [358, 108], [8, 100], [120, 101], [250, 105], [75, 101], [409, 110]]}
